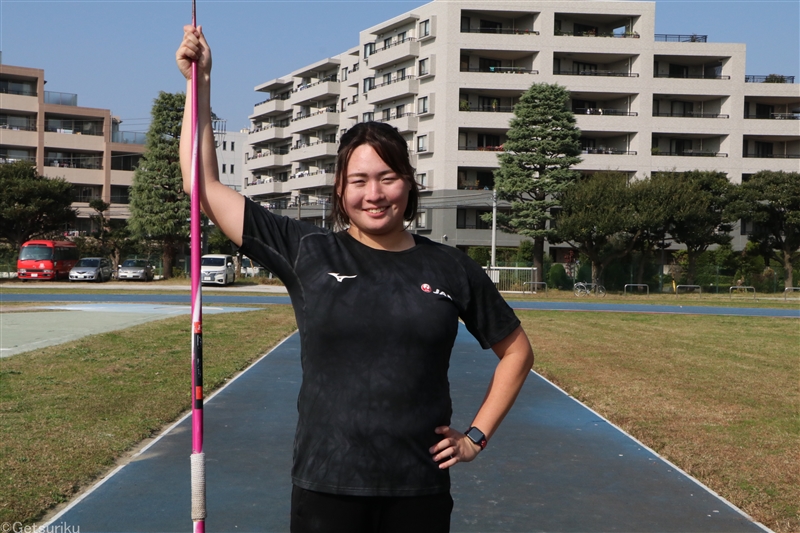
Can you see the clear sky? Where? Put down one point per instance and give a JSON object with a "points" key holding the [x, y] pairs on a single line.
{"points": [[118, 54]]}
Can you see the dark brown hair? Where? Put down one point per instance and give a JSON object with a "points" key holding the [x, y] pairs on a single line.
{"points": [[391, 147]]}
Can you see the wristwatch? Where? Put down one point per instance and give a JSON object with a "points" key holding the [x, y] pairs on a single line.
{"points": [[476, 435]]}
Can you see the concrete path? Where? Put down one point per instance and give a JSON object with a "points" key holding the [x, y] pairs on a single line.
{"points": [[554, 465], [21, 332]]}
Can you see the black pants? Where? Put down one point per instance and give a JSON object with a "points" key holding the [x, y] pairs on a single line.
{"points": [[317, 512]]}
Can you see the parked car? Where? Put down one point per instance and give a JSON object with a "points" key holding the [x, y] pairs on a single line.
{"points": [[218, 269], [249, 267], [92, 269], [136, 269]]}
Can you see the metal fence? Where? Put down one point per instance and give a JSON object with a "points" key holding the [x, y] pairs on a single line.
{"points": [[510, 279]]}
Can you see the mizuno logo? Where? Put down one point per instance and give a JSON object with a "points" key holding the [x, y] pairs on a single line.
{"points": [[339, 277]]}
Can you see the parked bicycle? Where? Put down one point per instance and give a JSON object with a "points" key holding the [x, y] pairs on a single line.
{"points": [[584, 289]]}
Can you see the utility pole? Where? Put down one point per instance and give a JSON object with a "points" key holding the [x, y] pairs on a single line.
{"points": [[494, 227]]}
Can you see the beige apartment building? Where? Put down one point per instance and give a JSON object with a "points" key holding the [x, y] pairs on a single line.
{"points": [[80, 144], [448, 74]]}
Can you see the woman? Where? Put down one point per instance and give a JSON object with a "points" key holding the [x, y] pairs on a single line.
{"points": [[377, 310]]}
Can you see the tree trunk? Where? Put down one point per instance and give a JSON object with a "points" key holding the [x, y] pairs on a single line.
{"points": [[640, 269], [167, 258], [690, 274], [787, 268], [538, 256]]}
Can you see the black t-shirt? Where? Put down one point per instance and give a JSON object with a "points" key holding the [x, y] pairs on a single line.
{"points": [[376, 331]]}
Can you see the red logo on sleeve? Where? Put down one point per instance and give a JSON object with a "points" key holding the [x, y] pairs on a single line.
{"points": [[425, 287]]}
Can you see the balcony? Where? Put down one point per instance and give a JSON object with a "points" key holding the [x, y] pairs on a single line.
{"points": [[689, 114], [604, 111], [404, 122], [80, 127], [595, 25], [319, 90], [55, 98], [267, 108], [690, 153], [501, 70], [6, 158], [128, 137], [607, 151], [673, 38], [702, 76], [268, 159], [773, 156], [775, 116], [611, 73], [393, 90], [321, 118], [314, 150], [266, 133], [403, 50]]}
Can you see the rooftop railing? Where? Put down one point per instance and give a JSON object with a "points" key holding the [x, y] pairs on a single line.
{"points": [[771, 78], [51, 97], [128, 137], [503, 31], [672, 38]]}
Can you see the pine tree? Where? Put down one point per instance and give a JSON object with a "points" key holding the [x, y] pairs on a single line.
{"points": [[160, 209], [543, 143]]}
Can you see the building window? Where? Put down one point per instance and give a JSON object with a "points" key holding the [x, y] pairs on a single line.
{"points": [[387, 43], [344, 104], [422, 219], [233, 144], [461, 219], [224, 145], [422, 105], [400, 75], [344, 74], [422, 143], [369, 83], [424, 28], [223, 168], [387, 78], [401, 37], [369, 49], [422, 180], [368, 116], [400, 111], [387, 114], [423, 67], [231, 169]]}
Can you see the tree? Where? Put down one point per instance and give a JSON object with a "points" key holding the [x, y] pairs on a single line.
{"points": [[543, 143], [32, 205], [112, 234], [771, 202], [159, 208], [699, 219], [599, 218]]}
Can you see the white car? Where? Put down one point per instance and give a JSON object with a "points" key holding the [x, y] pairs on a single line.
{"points": [[217, 269]]}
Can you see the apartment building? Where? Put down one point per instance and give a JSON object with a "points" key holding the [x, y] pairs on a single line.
{"points": [[83, 145], [231, 151], [448, 74]]}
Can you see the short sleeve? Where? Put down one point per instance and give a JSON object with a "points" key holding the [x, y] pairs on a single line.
{"points": [[487, 315], [271, 240]]}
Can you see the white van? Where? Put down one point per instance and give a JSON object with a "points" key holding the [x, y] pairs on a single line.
{"points": [[217, 269]]}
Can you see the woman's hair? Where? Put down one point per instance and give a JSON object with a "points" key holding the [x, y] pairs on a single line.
{"points": [[391, 147]]}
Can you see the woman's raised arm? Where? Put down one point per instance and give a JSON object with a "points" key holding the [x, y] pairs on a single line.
{"points": [[223, 205]]}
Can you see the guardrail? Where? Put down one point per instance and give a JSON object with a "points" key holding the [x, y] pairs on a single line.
{"points": [[639, 285], [787, 290], [698, 287], [740, 288], [534, 284]]}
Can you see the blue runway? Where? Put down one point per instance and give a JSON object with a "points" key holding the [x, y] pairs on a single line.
{"points": [[554, 465]]}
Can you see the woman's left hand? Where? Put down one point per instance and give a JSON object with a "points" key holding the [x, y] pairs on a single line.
{"points": [[454, 448]]}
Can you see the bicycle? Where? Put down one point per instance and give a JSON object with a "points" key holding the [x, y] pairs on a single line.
{"points": [[584, 289]]}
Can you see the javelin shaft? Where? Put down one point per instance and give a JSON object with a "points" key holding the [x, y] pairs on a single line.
{"points": [[198, 481]]}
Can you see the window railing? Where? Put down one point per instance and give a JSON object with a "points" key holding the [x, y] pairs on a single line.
{"points": [[80, 127], [776, 116], [393, 44], [20, 92], [309, 85], [501, 70], [771, 78], [51, 97], [672, 38], [609, 151], [612, 73], [24, 125], [4, 158], [120, 199], [329, 109], [694, 76], [88, 162], [267, 153], [774, 156], [128, 137], [395, 117], [301, 145], [504, 31], [689, 114], [488, 108], [603, 111], [394, 80], [691, 153]]}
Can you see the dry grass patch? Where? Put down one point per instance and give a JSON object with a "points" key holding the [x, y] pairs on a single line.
{"points": [[718, 396], [67, 412]]}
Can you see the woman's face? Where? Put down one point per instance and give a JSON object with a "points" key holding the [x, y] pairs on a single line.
{"points": [[374, 196]]}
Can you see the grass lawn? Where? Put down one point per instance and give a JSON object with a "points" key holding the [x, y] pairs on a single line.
{"points": [[67, 412], [718, 396]]}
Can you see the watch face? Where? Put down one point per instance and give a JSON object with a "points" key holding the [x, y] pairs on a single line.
{"points": [[477, 436]]}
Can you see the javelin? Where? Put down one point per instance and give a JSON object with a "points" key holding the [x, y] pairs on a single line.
{"points": [[197, 458]]}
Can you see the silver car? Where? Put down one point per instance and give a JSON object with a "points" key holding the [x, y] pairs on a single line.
{"points": [[92, 269], [136, 269]]}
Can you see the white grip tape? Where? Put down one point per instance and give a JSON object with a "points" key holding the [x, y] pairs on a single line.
{"points": [[198, 486]]}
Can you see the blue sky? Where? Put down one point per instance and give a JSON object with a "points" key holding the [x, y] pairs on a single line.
{"points": [[117, 54]]}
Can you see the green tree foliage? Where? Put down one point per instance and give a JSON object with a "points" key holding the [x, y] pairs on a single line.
{"points": [[112, 234], [32, 205], [697, 213], [543, 143], [600, 219], [771, 202], [218, 243], [160, 209]]}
